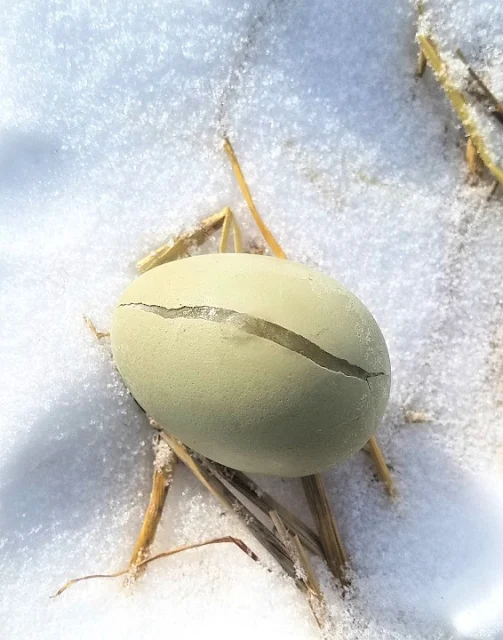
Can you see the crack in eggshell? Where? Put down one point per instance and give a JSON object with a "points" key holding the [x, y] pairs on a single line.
{"points": [[261, 329]]}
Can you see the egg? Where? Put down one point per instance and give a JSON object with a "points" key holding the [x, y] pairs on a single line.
{"points": [[262, 364]]}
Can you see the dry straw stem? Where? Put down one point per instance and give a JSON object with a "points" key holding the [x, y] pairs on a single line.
{"points": [[181, 245], [418, 417], [97, 334], [263, 228], [459, 102], [473, 160], [165, 554], [420, 64], [303, 567], [333, 549], [161, 481], [382, 467], [266, 503], [266, 538], [230, 221]]}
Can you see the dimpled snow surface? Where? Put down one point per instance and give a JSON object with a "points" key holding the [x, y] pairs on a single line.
{"points": [[112, 116]]}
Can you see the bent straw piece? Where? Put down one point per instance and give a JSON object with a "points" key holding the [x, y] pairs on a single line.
{"points": [[224, 238], [238, 239], [264, 230], [475, 166], [165, 554]]}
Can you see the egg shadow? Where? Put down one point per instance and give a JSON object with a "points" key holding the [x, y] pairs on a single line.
{"points": [[79, 465], [429, 561], [29, 157]]}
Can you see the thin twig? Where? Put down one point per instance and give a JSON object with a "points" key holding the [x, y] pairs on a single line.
{"points": [[164, 554], [315, 595], [231, 222], [331, 541]]}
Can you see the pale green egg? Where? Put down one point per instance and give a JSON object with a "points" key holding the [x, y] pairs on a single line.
{"points": [[261, 364]]}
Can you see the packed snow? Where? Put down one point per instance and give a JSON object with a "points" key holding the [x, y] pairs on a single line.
{"points": [[112, 116]]}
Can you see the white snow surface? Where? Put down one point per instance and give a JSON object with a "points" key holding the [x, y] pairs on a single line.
{"points": [[111, 115]]}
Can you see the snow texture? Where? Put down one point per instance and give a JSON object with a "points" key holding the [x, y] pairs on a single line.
{"points": [[111, 115]]}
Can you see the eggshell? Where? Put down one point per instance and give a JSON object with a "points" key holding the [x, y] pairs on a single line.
{"points": [[261, 364]]}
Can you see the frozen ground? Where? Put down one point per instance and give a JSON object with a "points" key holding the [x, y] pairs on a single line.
{"points": [[110, 117]]}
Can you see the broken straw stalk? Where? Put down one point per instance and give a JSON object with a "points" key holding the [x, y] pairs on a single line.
{"points": [[164, 464], [303, 568]]}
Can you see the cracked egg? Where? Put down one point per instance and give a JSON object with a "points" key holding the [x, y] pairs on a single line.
{"points": [[262, 364]]}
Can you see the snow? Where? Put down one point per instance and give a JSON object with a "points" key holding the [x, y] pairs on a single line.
{"points": [[111, 116]]}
